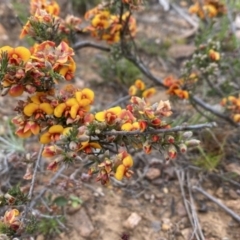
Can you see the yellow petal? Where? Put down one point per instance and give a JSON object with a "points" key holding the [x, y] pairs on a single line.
{"points": [[45, 138], [73, 111], [88, 94], [100, 116], [71, 101], [56, 129], [30, 109], [126, 127], [116, 110], [46, 107], [120, 172], [128, 161], [23, 53], [58, 111]]}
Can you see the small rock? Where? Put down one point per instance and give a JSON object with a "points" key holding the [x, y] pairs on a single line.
{"points": [[181, 211], [219, 192], [186, 233], [233, 204], [132, 221], [165, 190], [233, 167], [153, 173], [40, 237], [156, 225], [166, 224], [82, 223], [233, 194]]}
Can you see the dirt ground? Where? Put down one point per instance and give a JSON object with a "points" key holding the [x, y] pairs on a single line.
{"points": [[150, 206]]}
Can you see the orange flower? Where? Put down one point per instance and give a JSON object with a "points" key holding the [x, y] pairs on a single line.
{"points": [[109, 116], [50, 6], [139, 84], [149, 92], [181, 93], [101, 20], [88, 147], [51, 151], [68, 70], [16, 55], [16, 90], [213, 55]]}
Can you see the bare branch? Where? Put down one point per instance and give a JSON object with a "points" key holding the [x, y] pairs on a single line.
{"points": [[174, 129], [84, 44]]}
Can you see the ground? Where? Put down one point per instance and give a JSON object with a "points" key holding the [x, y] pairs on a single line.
{"points": [[150, 206]]}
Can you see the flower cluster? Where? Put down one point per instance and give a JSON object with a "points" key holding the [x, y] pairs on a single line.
{"points": [[35, 70], [108, 27], [233, 105], [175, 87], [139, 89], [45, 24], [210, 8]]}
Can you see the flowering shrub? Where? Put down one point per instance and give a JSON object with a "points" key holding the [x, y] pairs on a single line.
{"points": [[64, 120]]}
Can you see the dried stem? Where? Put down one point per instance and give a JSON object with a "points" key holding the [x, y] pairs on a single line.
{"points": [[220, 204]]}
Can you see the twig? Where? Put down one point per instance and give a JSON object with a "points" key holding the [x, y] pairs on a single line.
{"points": [[184, 15], [212, 110], [224, 207], [174, 129], [193, 208], [180, 176], [50, 183], [120, 100], [83, 44], [35, 172], [30, 193]]}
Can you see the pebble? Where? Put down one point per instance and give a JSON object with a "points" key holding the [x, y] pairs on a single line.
{"points": [[153, 173], [132, 221]]}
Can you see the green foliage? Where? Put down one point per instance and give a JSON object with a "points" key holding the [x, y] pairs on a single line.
{"points": [[121, 71], [50, 226], [207, 160]]}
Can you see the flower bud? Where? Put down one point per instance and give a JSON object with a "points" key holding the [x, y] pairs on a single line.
{"points": [[192, 143], [182, 147], [73, 146], [83, 138], [170, 139], [187, 135]]}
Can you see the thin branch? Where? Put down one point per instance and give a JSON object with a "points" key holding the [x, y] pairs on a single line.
{"points": [[174, 129], [212, 110], [220, 204], [84, 44], [35, 172], [120, 100]]}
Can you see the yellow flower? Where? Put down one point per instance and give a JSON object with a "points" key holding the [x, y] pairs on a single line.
{"points": [[81, 103], [120, 172], [16, 55], [39, 110], [109, 116], [88, 147], [53, 134], [130, 126], [139, 84]]}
